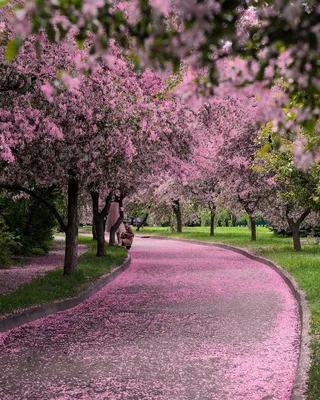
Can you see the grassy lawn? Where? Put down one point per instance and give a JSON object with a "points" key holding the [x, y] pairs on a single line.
{"points": [[85, 229], [54, 285], [304, 266]]}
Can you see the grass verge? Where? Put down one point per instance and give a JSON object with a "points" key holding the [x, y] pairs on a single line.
{"points": [[304, 266], [55, 286]]}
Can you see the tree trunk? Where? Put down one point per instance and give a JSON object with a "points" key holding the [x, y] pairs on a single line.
{"points": [[296, 238], [233, 220], [71, 251], [212, 215], [101, 242], [253, 229], [115, 227], [177, 211], [94, 230], [143, 222], [99, 221], [295, 227]]}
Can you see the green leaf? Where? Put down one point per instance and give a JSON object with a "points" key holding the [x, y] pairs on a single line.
{"points": [[51, 33], [276, 141], [310, 125], [3, 3], [79, 43], [265, 149], [12, 49]]}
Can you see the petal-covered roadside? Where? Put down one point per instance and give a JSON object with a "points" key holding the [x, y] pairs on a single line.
{"points": [[185, 321], [12, 278]]}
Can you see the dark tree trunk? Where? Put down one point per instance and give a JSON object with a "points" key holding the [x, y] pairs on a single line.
{"points": [[143, 222], [250, 207], [233, 220], [98, 225], [99, 221], [71, 251], [212, 217], [101, 242], [296, 237], [227, 222], [295, 227], [177, 211], [94, 230], [253, 229], [115, 227]]}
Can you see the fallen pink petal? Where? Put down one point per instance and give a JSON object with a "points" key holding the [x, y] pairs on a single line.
{"points": [[185, 321]]}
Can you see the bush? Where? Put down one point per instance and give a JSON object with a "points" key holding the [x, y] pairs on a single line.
{"points": [[37, 251], [6, 239], [29, 223], [5, 254]]}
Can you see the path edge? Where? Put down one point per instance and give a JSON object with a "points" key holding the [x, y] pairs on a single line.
{"points": [[300, 385], [13, 320]]}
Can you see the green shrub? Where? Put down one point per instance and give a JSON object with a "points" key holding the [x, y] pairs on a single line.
{"points": [[5, 254], [29, 222], [38, 251]]}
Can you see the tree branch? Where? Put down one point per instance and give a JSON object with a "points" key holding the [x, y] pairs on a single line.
{"points": [[13, 80], [40, 199], [106, 208]]}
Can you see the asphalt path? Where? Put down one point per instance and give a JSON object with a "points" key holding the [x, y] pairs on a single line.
{"points": [[184, 321]]}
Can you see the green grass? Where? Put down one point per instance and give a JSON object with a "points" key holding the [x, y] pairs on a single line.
{"points": [[85, 229], [55, 286], [304, 266]]}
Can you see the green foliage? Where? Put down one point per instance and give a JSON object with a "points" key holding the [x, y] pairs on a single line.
{"points": [[37, 251], [55, 286], [29, 223], [6, 240], [5, 255], [3, 3], [12, 49], [296, 187], [224, 217]]}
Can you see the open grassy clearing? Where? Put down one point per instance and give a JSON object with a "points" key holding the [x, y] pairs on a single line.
{"points": [[55, 286]]}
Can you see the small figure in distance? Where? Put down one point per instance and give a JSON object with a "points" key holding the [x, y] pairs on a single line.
{"points": [[127, 236]]}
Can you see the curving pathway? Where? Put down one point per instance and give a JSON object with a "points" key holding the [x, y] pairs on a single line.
{"points": [[185, 321]]}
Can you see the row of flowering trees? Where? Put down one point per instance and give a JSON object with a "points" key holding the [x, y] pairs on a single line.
{"points": [[236, 162], [94, 134], [78, 114]]}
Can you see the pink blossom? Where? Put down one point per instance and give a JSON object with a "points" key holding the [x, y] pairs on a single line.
{"points": [[48, 91], [71, 82], [90, 7], [302, 157], [143, 124], [162, 6]]}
